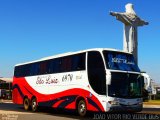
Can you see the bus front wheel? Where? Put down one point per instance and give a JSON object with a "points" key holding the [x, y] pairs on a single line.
{"points": [[26, 103], [34, 104], [82, 109]]}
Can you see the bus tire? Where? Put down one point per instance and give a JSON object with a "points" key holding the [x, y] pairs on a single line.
{"points": [[26, 103], [81, 108], [34, 104]]}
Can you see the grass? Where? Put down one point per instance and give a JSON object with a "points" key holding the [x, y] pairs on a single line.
{"points": [[152, 102]]}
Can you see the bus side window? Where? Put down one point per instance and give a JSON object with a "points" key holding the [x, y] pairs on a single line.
{"points": [[34, 69], [49, 67], [75, 59], [17, 71], [78, 62], [66, 64], [81, 62], [54, 65], [43, 67], [25, 70]]}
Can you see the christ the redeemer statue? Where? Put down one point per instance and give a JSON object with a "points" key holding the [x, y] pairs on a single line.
{"points": [[131, 22]]}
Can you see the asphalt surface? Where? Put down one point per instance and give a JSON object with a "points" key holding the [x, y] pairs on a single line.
{"points": [[10, 111]]}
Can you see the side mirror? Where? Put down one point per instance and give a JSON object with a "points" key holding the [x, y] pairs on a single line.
{"points": [[108, 78]]}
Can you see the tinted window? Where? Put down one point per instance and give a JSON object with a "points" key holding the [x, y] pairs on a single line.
{"points": [[78, 62], [17, 71], [21, 71], [54, 65], [96, 73], [57, 65], [43, 67], [34, 69], [66, 64]]}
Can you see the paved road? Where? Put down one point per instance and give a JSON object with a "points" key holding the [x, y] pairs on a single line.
{"points": [[43, 114], [16, 112]]}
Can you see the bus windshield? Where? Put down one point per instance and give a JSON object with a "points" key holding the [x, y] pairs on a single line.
{"points": [[125, 85], [120, 61]]}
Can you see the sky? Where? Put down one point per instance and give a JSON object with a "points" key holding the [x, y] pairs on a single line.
{"points": [[33, 29]]}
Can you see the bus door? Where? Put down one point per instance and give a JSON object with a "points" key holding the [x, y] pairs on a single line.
{"points": [[96, 72]]}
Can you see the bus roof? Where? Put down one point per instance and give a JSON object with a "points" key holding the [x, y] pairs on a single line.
{"points": [[71, 53]]}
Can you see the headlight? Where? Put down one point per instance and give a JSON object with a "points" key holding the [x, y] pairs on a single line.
{"points": [[113, 102], [140, 103]]}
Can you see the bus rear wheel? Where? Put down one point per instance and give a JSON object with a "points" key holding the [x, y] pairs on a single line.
{"points": [[26, 103], [82, 109], [34, 104]]}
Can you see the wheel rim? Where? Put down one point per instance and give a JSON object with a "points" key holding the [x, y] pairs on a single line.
{"points": [[26, 104], [34, 105], [82, 108]]}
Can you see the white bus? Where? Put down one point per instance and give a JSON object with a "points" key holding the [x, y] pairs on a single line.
{"points": [[97, 79]]}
